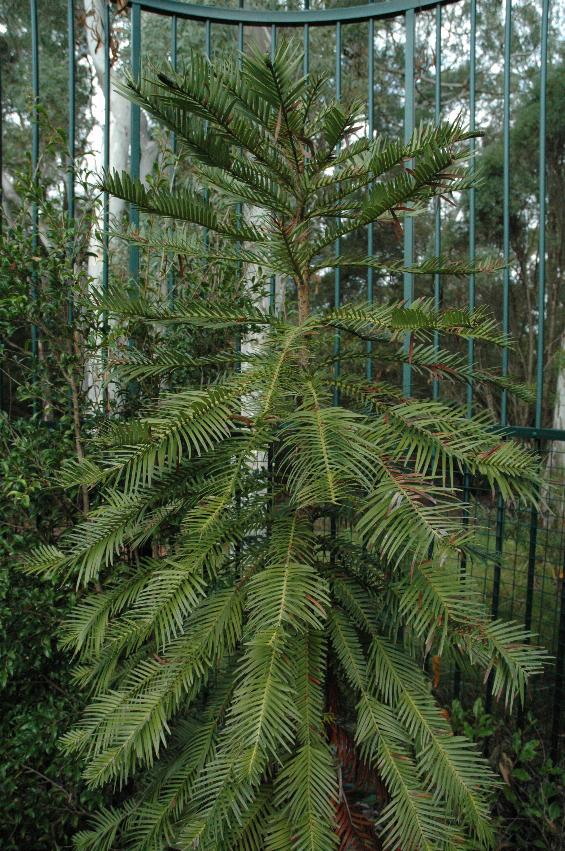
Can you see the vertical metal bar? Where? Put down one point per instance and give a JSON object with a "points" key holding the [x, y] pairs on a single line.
{"points": [[135, 144], [471, 297], [408, 288], [542, 215], [532, 550], [437, 211], [498, 549], [1, 158], [106, 148], [541, 299], [273, 279], [239, 206], [239, 211], [371, 132], [71, 88], [500, 508], [306, 43], [208, 53], [437, 222], [1, 212], [174, 27], [174, 41], [208, 39], [498, 555], [106, 197], [337, 273], [506, 203], [34, 158]]}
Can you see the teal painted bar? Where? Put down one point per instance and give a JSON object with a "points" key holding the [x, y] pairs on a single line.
{"points": [[1, 167], [105, 197], [501, 508], [337, 248], [106, 150], [273, 279], [266, 17], [2, 371], [306, 42], [34, 156], [71, 89], [437, 221], [208, 38], [532, 555], [506, 202], [472, 284], [470, 291], [542, 214], [135, 147], [208, 54], [71, 132], [239, 208], [371, 132], [174, 62], [408, 285]]}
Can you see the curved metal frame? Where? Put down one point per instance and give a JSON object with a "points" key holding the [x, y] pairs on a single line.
{"points": [[265, 17]]}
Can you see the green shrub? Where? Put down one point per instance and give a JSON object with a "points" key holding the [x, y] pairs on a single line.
{"points": [[530, 804]]}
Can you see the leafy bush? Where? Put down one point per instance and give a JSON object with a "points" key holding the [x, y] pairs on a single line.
{"points": [[530, 805], [43, 801]]}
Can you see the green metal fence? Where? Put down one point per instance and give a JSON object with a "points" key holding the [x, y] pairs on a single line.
{"points": [[524, 577]]}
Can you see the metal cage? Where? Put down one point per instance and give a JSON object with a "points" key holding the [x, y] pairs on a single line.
{"points": [[524, 578]]}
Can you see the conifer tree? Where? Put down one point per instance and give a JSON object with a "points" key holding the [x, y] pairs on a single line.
{"points": [[256, 635]]}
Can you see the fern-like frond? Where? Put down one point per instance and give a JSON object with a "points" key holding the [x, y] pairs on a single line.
{"points": [[184, 206], [453, 764], [411, 816], [184, 312], [430, 266], [323, 452], [262, 716], [307, 789], [406, 513], [369, 322]]}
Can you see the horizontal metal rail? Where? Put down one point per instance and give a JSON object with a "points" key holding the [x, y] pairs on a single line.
{"points": [[266, 17]]}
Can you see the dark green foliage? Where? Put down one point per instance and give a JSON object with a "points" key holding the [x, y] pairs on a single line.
{"points": [[43, 801], [530, 804], [271, 570]]}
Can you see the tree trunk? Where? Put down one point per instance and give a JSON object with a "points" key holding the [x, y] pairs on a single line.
{"points": [[120, 118], [556, 455]]}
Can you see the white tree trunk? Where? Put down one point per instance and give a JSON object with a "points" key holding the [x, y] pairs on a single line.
{"points": [[556, 455], [120, 129]]}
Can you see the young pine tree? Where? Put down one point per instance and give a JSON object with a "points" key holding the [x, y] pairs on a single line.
{"points": [[276, 554]]}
